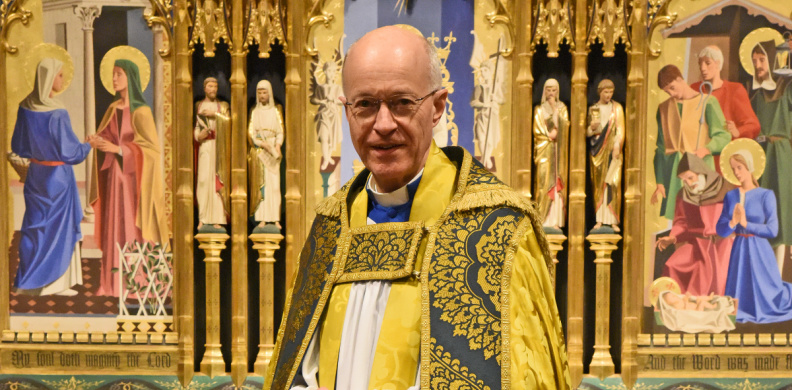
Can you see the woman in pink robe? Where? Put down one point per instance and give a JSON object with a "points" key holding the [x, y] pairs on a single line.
{"points": [[128, 159]]}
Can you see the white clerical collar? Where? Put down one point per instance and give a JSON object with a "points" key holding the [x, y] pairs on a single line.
{"points": [[767, 84], [395, 198]]}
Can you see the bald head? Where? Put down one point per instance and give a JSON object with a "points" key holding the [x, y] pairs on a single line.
{"points": [[395, 41]]}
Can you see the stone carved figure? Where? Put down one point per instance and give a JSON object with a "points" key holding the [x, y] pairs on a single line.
{"points": [[328, 115], [486, 101], [212, 138], [550, 131], [265, 132], [605, 144]]}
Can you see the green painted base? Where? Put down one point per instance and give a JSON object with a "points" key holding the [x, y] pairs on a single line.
{"points": [[136, 382], [690, 384]]}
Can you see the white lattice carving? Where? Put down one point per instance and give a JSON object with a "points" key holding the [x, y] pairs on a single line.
{"points": [[146, 280]]}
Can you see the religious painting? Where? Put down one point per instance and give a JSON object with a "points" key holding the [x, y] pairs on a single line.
{"points": [[475, 65], [717, 272], [89, 134]]}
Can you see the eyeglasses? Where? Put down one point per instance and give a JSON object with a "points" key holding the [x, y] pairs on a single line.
{"points": [[400, 106]]}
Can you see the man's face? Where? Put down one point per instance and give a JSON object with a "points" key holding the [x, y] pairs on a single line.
{"points": [[262, 94], [676, 88], [393, 148], [606, 95], [709, 68], [551, 92], [694, 181], [761, 67], [211, 90]]}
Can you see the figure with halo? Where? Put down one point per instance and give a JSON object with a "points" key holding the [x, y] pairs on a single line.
{"points": [[49, 247], [749, 212], [550, 131], [771, 99], [213, 141], [265, 132], [328, 114], [129, 195], [605, 141]]}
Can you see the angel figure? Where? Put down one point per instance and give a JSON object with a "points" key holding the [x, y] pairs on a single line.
{"points": [[486, 100], [328, 115]]}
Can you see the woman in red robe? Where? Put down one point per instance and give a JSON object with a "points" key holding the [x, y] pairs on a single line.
{"points": [[128, 161]]}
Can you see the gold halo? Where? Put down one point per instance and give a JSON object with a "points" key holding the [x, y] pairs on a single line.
{"points": [[663, 284], [48, 50], [124, 53], [753, 147], [759, 35]]}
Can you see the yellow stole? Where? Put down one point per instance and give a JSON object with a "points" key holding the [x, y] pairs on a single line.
{"points": [[396, 355]]}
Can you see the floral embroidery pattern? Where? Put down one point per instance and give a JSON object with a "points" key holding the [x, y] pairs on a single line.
{"points": [[479, 175], [466, 275], [448, 373], [384, 251]]}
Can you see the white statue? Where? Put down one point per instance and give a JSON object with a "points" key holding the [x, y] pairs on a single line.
{"points": [[486, 101], [328, 115], [212, 125], [266, 137]]}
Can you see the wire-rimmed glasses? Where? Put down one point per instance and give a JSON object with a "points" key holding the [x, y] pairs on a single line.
{"points": [[400, 106]]}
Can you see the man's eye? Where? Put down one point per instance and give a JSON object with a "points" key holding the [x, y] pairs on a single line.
{"points": [[403, 102], [365, 103]]}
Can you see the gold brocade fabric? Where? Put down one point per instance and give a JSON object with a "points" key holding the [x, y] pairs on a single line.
{"points": [[464, 311], [550, 156]]}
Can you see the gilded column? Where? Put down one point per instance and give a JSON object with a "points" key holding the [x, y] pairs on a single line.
{"points": [[577, 193], [10, 12], [212, 244], [239, 216], [181, 54], [296, 139], [522, 137], [266, 244], [633, 197], [603, 246], [556, 244], [88, 15]]}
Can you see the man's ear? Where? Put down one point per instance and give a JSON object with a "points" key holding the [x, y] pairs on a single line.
{"points": [[439, 105]]}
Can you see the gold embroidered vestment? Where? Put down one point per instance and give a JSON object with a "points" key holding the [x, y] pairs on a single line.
{"points": [[471, 300]]}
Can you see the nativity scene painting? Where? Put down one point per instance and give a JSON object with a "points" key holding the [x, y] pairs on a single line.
{"points": [[719, 192], [91, 209]]}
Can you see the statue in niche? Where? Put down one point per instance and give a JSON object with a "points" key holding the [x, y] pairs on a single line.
{"points": [[550, 131], [605, 134], [328, 115], [212, 138], [265, 132], [486, 101]]}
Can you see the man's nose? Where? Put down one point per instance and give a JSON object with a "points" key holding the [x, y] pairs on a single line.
{"points": [[384, 121]]}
